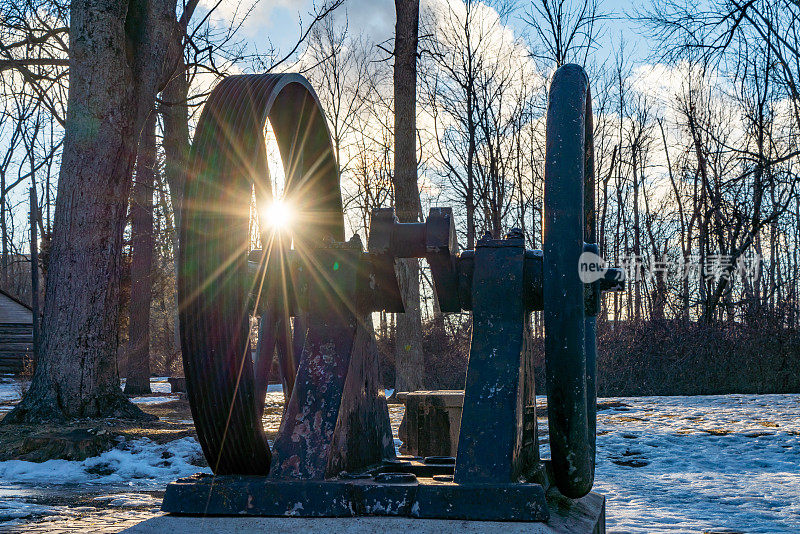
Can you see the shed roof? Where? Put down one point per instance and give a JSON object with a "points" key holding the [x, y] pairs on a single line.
{"points": [[13, 310]]}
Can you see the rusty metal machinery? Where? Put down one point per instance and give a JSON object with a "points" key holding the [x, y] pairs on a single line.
{"points": [[334, 453], [501, 282]]}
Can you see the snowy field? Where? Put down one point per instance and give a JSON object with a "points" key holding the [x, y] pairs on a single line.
{"points": [[718, 464], [700, 464]]}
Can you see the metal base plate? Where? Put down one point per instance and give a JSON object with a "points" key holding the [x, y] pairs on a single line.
{"points": [[390, 490]]}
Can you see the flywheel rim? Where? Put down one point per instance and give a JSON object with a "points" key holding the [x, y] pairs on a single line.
{"points": [[227, 156]]}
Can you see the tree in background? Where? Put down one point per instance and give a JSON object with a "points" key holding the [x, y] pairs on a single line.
{"points": [[121, 54], [409, 356], [138, 379], [695, 156], [33, 89]]}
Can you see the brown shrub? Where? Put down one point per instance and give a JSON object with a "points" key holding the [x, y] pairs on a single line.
{"points": [[672, 357]]}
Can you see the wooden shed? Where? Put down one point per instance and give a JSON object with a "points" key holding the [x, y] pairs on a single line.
{"points": [[16, 333]]}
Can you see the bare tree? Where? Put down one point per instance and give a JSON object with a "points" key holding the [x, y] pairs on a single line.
{"points": [[451, 92], [745, 183], [138, 379], [567, 31], [174, 110], [33, 55], [340, 78], [409, 356]]}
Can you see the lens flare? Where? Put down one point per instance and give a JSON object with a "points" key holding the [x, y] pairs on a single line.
{"points": [[277, 216]]}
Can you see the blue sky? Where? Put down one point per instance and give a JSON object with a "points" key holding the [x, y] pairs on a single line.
{"points": [[277, 21]]}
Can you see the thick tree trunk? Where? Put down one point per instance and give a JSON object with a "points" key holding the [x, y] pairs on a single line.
{"points": [[138, 379], [119, 53], [409, 356], [174, 109]]}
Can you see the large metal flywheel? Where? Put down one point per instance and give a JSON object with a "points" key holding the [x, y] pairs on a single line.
{"points": [[569, 230], [216, 287]]}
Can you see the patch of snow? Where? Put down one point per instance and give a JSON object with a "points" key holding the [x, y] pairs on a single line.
{"points": [[161, 399], [693, 464], [13, 510], [140, 463], [158, 384], [9, 390], [129, 500], [665, 464]]}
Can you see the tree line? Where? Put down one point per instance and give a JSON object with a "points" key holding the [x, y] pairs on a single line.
{"points": [[696, 151], [695, 154]]}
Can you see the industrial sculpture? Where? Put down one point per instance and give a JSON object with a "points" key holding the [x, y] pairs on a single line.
{"points": [[334, 454]]}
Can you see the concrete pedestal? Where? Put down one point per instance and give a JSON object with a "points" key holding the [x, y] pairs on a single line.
{"points": [[581, 516], [432, 422]]}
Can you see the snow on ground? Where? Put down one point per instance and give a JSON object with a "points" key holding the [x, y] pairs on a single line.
{"points": [[33, 492], [698, 464], [10, 392], [141, 464], [666, 464], [12, 511], [158, 384], [159, 399], [15, 508], [136, 500]]}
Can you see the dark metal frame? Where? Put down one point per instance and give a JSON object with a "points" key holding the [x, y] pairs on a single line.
{"points": [[407, 487]]}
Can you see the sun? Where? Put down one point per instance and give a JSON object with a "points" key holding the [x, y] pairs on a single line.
{"points": [[277, 216]]}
